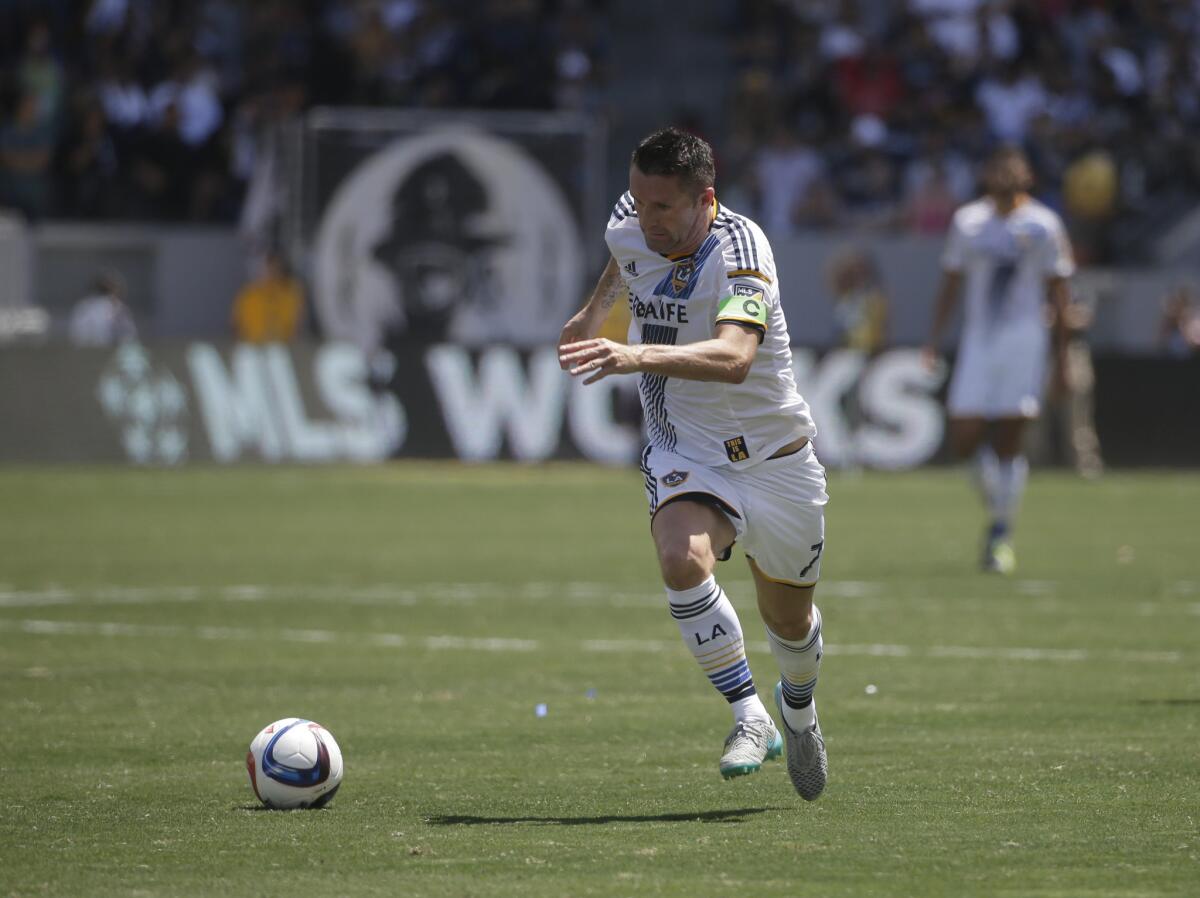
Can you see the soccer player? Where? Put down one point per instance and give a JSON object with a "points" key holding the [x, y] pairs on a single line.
{"points": [[730, 457], [1012, 254]]}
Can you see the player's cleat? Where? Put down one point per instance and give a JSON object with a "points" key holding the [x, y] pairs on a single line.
{"points": [[750, 743], [807, 763], [999, 558], [998, 554]]}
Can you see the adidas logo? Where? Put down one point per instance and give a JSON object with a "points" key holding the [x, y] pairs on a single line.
{"points": [[631, 268]]}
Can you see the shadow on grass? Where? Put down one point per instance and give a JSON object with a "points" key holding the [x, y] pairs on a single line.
{"points": [[736, 815], [1168, 702]]}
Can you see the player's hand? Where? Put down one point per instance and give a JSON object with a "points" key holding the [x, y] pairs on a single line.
{"points": [[931, 358], [597, 358], [577, 329]]}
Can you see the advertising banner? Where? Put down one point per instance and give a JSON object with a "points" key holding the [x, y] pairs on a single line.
{"points": [[465, 229], [174, 403]]}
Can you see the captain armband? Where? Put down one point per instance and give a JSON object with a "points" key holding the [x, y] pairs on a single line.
{"points": [[747, 304]]}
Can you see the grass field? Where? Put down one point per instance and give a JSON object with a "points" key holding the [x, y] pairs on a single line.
{"points": [[1032, 736]]}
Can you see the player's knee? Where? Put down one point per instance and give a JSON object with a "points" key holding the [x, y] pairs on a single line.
{"points": [[686, 560], [792, 626]]}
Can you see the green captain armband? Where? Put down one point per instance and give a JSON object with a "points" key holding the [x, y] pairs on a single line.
{"points": [[746, 305]]}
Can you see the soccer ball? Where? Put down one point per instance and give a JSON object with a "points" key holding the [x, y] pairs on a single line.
{"points": [[294, 763]]}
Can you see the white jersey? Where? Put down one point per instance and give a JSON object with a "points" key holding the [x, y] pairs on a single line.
{"points": [[681, 299], [1006, 261]]}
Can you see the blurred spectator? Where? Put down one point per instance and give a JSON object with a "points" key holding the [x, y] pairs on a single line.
{"points": [[860, 309], [935, 184], [26, 151], [867, 177], [40, 74], [270, 308], [870, 83], [126, 106], [1090, 188], [159, 167], [786, 170], [968, 30], [581, 55], [1179, 327], [1067, 427], [191, 92], [89, 163], [1010, 99], [101, 318]]}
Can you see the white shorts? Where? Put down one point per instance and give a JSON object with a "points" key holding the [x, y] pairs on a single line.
{"points": [[777, 507], [999, 376]]}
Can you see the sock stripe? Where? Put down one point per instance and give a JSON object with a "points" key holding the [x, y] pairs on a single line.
{"points": [[731, 676], [798, 696], [697, 608], [742, 692], [811, 640], [707, 657], [732, 656], [683, 606]]}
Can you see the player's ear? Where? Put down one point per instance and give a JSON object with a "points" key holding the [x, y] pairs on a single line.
{"points": [[706, 198]]}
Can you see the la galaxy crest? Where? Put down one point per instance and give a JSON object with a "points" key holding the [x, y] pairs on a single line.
{"points": [[682, 273], [675, 478]]}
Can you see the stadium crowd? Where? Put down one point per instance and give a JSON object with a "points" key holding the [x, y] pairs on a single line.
{"points": [[156, 109], [875, 113], [867, 113]]}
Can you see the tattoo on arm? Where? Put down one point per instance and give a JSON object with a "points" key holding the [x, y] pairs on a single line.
{"points": [[610, 285]]}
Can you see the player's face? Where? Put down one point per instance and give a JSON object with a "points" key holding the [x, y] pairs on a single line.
{"points": [[672, 216]]}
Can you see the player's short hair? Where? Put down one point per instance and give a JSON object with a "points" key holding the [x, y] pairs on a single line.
{"points": [[672, 152], [1007, 168]]}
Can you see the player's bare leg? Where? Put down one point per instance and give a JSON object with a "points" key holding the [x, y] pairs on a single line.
{"points": [[688, 537], [794, 633]]}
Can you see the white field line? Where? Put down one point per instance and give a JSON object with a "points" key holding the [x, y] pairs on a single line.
{"points": [[570, 592], [244, 634], [1042, 595], [616, 646]]}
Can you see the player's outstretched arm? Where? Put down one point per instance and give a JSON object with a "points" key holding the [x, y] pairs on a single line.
{"points": [[1058, 292], [726, 358], [586, 323]]}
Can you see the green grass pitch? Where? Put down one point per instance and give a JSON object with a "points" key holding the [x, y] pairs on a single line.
{"points": [[1031, 736]]}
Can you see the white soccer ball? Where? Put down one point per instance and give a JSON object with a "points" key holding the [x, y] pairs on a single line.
{"points": [[294, 763]]}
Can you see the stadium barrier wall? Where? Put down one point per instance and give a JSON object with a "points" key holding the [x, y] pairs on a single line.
{"points": [[174, 403], [181, 282]]}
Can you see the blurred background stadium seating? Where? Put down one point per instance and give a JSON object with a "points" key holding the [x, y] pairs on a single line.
{"points": [[152, 145]]}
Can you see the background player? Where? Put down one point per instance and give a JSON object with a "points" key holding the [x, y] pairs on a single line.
{"points": [[729, 457], [1011, 253]]}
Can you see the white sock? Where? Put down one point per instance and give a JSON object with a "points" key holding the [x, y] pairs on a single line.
{"points": [[1011, 474], [799, 663], [710, 629], [987, 476]]}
